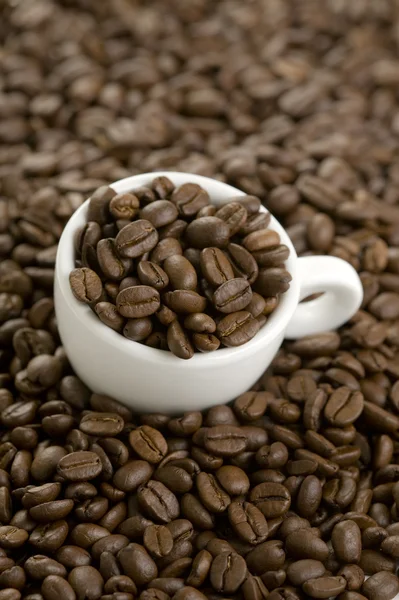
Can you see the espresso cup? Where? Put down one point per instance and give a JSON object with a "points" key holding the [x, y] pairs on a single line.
{"points": [[152, 380]]}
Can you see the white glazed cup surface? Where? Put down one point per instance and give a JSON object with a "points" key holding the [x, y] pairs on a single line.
{"points": [[151, 380]]}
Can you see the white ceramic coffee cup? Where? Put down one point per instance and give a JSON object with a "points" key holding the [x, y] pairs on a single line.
{"points": [[150, 380]]}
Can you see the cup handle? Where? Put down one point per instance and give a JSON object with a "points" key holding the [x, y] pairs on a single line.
{"points": [[342, 297]]}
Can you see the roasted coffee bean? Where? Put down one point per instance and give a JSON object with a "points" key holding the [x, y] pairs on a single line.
{"points": [[234, 214], [233, 295], [55, 586], [164, 249], [178, 341], [136, 239], [353, 575], [79, 466], [303, 570], [86, 582], [267, 555], [109, 315], [148, 443], [207, 232], [190, 198], [137, 564], [158, 502], [272, 281], [212, 495], [324, 587], [112, 266], [158, 540], [248, 522], [227, 572], [151, 274], [272, 499], [303, 543], [160, 213], [86, 285], [182, 275], [137, 329], [347, 541], [49, 537], [101, 424], [237, 328], [124, 206], [138, 301], [381, 586], [243, 263], [215, 266], [185, 301], [40, 566], [343, 407]]}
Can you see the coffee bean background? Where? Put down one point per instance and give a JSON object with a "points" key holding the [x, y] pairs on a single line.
{"points": [[292, 492]]}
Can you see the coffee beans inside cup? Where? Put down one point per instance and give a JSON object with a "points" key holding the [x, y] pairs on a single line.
{"points": [[163, 266]]}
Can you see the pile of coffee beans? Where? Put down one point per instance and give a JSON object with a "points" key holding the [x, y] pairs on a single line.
{"points": [[151, 265], [292, 492]]}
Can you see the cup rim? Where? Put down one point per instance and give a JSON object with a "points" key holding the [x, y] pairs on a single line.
{"points": [[274, 327]]}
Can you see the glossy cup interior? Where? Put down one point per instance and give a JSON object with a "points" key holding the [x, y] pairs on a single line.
{"points": [[77, 320]]}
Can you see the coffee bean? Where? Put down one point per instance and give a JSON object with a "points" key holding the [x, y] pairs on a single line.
{"points": [[215, 266], [12, 537], [99, 205], [138, 301], [148, 443], [304, 544], [49, 537], [237, 328], [101, 424], [138, 330], [167, 247], [160, 213], [137, 564], [347, 541], [124, 206], [353, 575], [109, 315], [51, 511], [79, 466], [243, 262], [272, 499], [303, 570], [152, 275], [207, 232], [381, 586], [185, 301], [162, 187], [158, 501], [343, 407], [272, 281], [324, 587], [55, 586], [178, 342], [194, 510], [111, 265], [233, 295], [248, 522], [158, 540], [189, 199], [86, 285], [227, 572], [40, 566], [181, 273], [86, 582], [136, 238]]}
